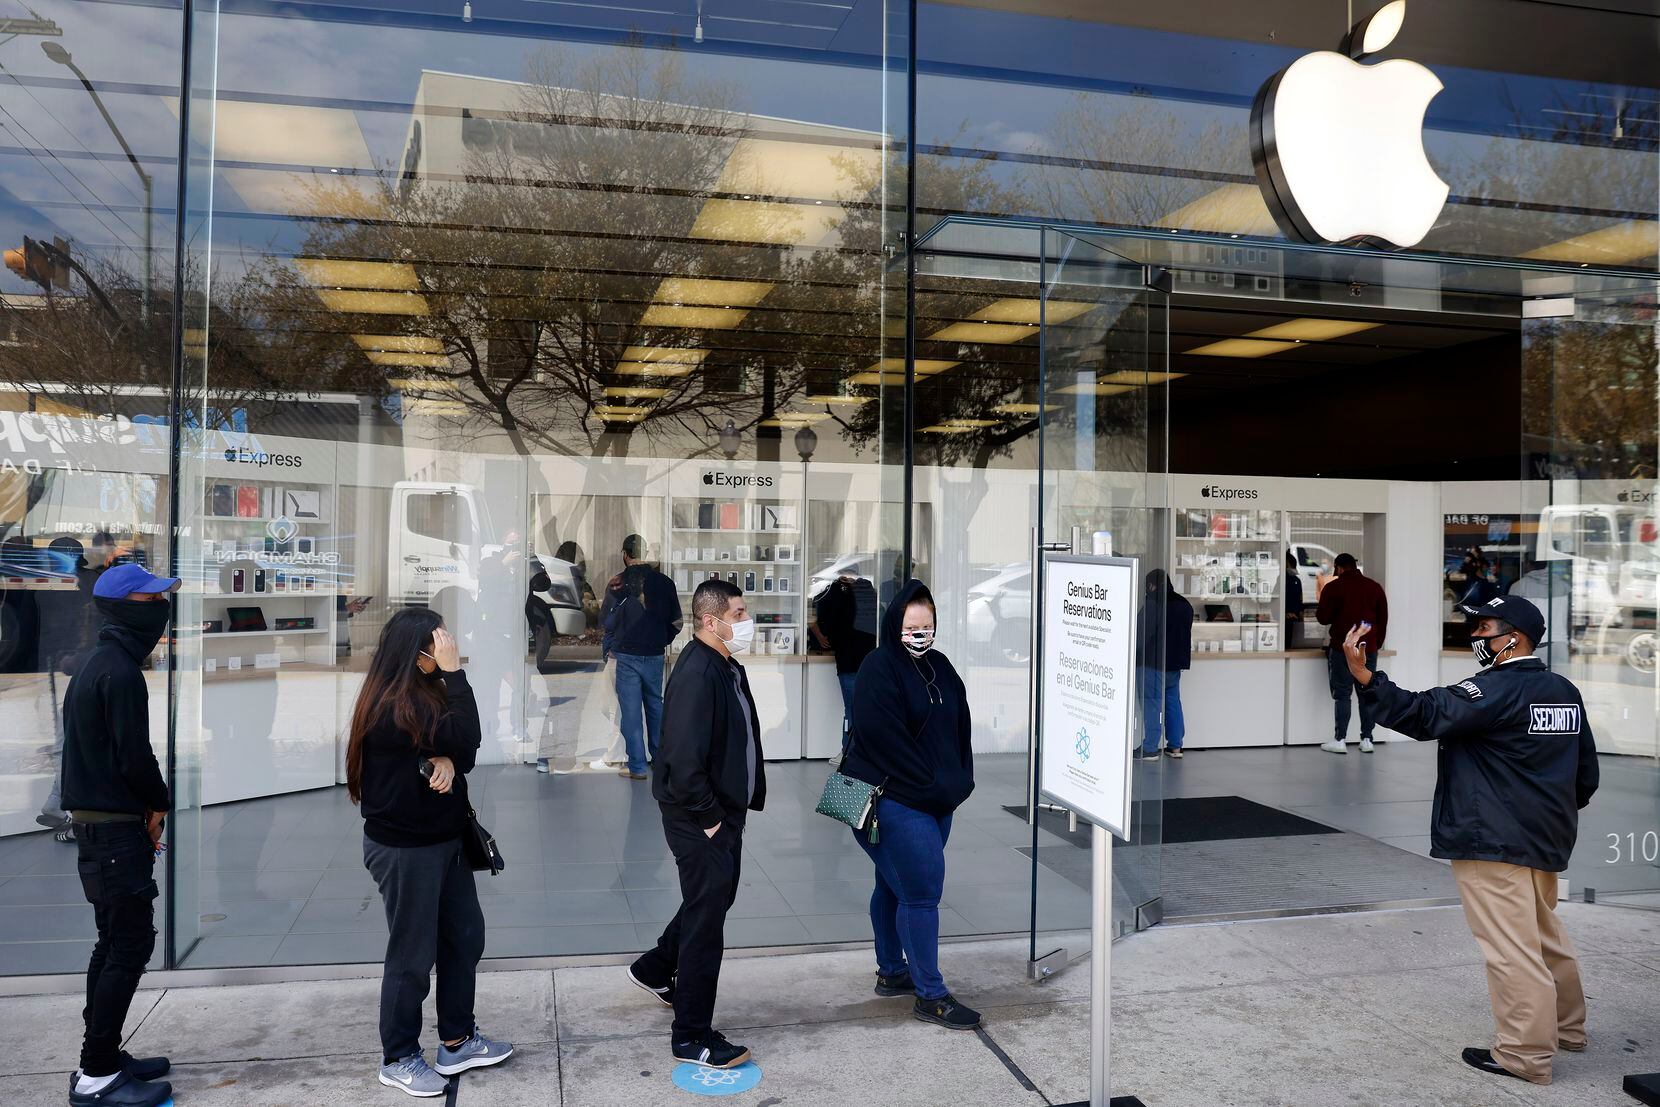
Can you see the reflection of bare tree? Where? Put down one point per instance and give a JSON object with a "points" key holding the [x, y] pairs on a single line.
{"points": [[1589, 394]]}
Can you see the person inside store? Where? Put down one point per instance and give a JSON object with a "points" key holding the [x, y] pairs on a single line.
{"points": [[1352, 599], [640, 617], [1163, 653], [117, 799], [414, 738], [707, 778], [1293, 600], [846, 625], [911, 737], [1517, 763]]}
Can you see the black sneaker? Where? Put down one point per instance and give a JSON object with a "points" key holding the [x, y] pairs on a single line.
{"points": [[145, 1068], [712, 1052], [899, 984], [946, 1012], [1142, 755], [67, 834], [663, 993], [123, 1091]]}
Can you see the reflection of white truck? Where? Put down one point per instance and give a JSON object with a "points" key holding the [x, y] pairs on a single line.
{"points": [[438, 545], [1614, 553]]}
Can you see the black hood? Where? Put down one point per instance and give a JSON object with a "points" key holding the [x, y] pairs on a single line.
{"points": [[893, 619]]}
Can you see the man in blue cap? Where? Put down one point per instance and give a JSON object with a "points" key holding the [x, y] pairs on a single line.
{"points": [[1516, 764], [117, 798]]}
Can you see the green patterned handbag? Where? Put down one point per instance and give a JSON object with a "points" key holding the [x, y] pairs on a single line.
{"points": [[850, 801]]}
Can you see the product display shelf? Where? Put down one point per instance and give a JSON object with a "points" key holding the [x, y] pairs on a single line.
{"points": [[1229, 564], [756, 544]]}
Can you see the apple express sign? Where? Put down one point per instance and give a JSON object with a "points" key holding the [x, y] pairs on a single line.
{"points": [[1338, 146]]}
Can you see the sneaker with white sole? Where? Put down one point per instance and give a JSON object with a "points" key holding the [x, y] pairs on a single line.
{"points": [[1334, 746], [1366, 745], [711, 1052], [412, 1074], [476, 1052]]}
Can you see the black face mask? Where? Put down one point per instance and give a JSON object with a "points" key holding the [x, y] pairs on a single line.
{"points": [[1482, 646], [145, 618]]}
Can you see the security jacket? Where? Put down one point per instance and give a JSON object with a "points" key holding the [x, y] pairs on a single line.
{"points": [[1516, 763]]}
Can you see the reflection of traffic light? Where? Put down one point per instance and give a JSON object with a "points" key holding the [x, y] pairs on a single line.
{"points": [[31, 263]]}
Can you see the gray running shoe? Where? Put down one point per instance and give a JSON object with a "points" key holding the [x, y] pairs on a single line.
{"points": [[474, 1053], [413, 1075]]}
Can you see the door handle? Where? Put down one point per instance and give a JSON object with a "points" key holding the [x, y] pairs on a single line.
{"points": [[411, 558]]}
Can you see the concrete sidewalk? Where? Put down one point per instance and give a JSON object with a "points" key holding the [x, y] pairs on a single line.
{"points": [[1355, 1009]]}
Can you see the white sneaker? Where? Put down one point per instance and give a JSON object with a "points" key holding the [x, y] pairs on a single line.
{"points": [[1334, 746], [1366, 745]]}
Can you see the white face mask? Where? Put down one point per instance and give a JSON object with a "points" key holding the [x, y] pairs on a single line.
{"points": [[743, 635], [918, 642]]}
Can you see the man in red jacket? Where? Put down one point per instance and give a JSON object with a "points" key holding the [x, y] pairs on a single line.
{"points": [[1352, 599]]}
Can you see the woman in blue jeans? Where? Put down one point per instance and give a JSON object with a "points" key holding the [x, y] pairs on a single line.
{"points": [[911, 737]]}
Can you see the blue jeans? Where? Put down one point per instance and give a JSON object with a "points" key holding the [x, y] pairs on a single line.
{"points": [[1162, 690], [905, 907], [846, 681], [640, 684], [1343, 687]]}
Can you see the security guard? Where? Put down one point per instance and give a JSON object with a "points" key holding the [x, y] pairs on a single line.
{"points": [[1516, 764]]}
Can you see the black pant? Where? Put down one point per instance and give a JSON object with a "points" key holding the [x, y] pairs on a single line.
{"points": [[117, 863], [433, 917], [693, 943]]}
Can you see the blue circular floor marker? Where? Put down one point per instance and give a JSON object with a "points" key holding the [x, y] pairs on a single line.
{"points": [[701, 1081]]}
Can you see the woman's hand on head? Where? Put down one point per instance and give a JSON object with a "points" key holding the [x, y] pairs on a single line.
{"points": [[443, 775], [445, 651]]}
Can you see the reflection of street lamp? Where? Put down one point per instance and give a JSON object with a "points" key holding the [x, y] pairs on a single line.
{"points": [[58, 54], [806, 441], [730, 440]]}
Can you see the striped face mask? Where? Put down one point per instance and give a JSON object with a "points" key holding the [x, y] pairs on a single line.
{"points": [[917, 642]]}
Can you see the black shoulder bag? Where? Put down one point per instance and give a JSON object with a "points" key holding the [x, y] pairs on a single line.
{"points": [[477, 844]]}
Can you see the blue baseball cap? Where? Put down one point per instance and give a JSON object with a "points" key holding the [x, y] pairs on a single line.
{"points": [[120, 581]]}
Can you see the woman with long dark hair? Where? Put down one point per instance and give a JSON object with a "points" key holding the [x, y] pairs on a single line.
{"points": [[414, 738], [911, 736]]}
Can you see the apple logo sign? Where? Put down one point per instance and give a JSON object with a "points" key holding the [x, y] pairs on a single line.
{"points": [[708, 478], [1338, 146]]}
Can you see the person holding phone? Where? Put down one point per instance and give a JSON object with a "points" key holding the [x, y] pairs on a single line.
{"points": [[414, 738], [1352, 599]]}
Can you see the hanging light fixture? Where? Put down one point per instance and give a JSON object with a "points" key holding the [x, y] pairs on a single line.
{"points": [[697, 31]]}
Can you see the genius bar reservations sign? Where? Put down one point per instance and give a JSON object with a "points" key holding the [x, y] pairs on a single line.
{"points": [[1087, 705]]}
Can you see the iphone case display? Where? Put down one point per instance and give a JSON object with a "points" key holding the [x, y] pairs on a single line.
{"points": [[1229, 563], [752, 542]]}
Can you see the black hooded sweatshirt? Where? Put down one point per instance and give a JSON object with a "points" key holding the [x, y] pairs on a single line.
{"points": [[911, 725], [108, 764]]}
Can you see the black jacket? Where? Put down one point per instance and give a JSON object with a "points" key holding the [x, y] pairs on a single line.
{"points": [[399, 807], [912, 731], [108, 764], [847, 616], [1517, 761], [641, 612], [1169, 644], [702, 770]]}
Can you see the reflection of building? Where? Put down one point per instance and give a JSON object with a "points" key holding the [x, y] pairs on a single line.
{"points": [[499, 294]]}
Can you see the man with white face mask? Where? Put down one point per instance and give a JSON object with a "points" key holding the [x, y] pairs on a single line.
{"points": [[1517, 763], [707, 778]]}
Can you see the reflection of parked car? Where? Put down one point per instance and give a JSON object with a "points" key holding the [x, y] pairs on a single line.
{"points": [[1000, 613], [563, 594], [847, 565], [1313, 562]]}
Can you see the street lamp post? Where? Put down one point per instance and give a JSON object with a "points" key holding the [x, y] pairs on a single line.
{"points": [[58, 54]]}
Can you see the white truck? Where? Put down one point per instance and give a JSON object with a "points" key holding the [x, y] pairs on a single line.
{"points": [[1613, 550]]}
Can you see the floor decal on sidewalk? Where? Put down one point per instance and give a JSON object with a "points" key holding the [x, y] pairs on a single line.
{"points": [[701, 1081]]}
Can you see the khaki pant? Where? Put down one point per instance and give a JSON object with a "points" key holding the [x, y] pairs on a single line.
{"points": [[1532, 974]]}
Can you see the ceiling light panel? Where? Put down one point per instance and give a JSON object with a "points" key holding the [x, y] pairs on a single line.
{"points": [[335, 273], [620, 413], [925, 367], [876, 378], [415, 361], [1313, 330], [1024, 409], [636, 392], [1028, 311], [852, 401], [697, 290], [1242, 347], [985, 332], [399, 343], [422, 384], [693, 318], [802, 169], [653, 369], [772, 223], [1619, 244], [1097, 388], [1138, 377], [373, 303], [675, 354]]}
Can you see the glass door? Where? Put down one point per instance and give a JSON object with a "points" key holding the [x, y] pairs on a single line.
{"points": [[1100, 405]]}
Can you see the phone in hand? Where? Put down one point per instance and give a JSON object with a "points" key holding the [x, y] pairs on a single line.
{"points": [[426, 768]]}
